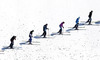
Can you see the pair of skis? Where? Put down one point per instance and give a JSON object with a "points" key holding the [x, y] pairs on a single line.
{"points": [[7, 47]]}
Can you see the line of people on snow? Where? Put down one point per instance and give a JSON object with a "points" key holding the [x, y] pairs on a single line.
{"points": [[45, 28]]}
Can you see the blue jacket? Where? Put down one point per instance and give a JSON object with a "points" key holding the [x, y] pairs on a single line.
{"points": [[77, 20]]}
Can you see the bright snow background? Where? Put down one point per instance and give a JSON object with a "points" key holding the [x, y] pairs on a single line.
{"points": [[19, 17]]}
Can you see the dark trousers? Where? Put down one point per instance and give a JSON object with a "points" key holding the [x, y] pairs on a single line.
{"points": [[30, 40], [89, 20], [60, 31], [76, 26], [44, 34], [11, 45]]}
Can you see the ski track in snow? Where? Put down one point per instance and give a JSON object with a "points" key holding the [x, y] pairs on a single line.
{"points": [[73, 47]]}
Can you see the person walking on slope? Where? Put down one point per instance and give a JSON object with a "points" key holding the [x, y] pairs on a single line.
{"points": [[90, 19], [44, 30], [30, 36], [77, 22], [61, 26], [12, 42]]}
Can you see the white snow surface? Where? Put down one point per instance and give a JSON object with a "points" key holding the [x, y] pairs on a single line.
{"points": [[19, 17]]}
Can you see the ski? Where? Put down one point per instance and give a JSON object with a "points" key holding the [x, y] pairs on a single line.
{"points": [[30, 44], [72, 29], [40, 37], [26, 43], [59, 34], [23, 43], [7, 47], [78, 27], [85, 21]]}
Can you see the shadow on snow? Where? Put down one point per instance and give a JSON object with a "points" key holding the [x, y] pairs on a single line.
{"points": [[98, 22], [23, 43], [37, 37], [4, 48]]}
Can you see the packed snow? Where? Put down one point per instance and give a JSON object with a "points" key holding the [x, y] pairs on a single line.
{"points": [[19, 17]]}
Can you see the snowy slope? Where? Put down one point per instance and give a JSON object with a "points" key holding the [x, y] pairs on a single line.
{"points": [[19, 17]]}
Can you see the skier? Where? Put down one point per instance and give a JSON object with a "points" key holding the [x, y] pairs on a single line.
{"points": [[61, 26], [30, 37], [44, 30], [90, 19], [77, 22], [12, 42]]}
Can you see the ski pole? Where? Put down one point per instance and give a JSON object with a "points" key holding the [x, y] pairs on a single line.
{"points": [[48, 32], [62, 31]]}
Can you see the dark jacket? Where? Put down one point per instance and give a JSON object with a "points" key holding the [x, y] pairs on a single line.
{"points": [[12, 39], [90, 14], [31, 32], [45, 27]]}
